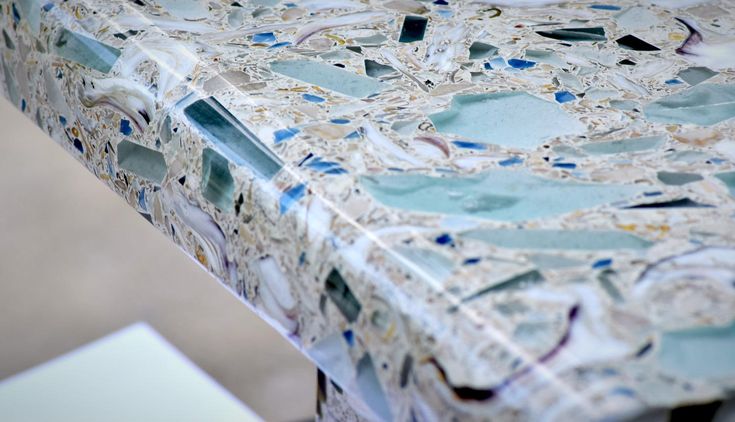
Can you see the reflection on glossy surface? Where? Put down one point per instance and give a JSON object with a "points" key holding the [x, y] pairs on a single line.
{"points": [[558, 239]]}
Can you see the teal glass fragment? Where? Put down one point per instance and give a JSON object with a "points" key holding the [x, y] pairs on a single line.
{"points": [[552, 262], [144, 162], [728, 179], [340, 293], [624, 145], [705, 352], [589, 240], [85, 51], [517, 282], [501, 194], [678, 179], [430, 263], [218, 186], [480, 50], [512, 119], [329, 77], [696, 75], [703, 104], [548, 57], [232, 138], [575, 34], [413, 29], [186, 9]]}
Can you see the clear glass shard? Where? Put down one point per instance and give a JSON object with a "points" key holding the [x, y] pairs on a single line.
{"points": [[218, 186], [85, 51], [144, 162]]}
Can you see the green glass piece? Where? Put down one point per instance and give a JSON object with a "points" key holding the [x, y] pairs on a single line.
{"points": [[729, 180], [340, 293], [624, 145], [706, 352], [413, 29], [696, 75], [144, 162], [678, 179], [480, 50], [232, 138], [704, 104], [505, 195], [85, 51], [589, 240], [552, 262], [329, 77], [512, 119], [218, 187], [11, 85], [575, 34]]}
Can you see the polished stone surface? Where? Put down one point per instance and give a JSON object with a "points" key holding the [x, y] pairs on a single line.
{"points": [[537, 226]]}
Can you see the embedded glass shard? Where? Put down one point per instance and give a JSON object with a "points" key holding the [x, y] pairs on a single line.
{"points": [[413, 29], [590, 240], [31, 11], [729, 180], [575, 34], [9, 44], [329, 77], [624, 145], [431, 263], [517, 282], [218, 186], [340, 293], [372, 392], [703, 352], [186, 9], [232, 138], [674, 203], [512, 119], [704, 104], [631, 42], [144, 162], [696, 75], [378, 70], [678, 179], [505, 195], [480, 50], [85, 51]]}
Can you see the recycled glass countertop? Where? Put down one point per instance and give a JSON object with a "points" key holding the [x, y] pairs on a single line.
{"points": [[491, 209]]}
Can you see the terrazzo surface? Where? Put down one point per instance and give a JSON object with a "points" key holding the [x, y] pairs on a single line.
{"points": [[506, 210]]}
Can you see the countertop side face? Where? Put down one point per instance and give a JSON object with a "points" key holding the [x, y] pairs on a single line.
{"points": [[506, 210]]}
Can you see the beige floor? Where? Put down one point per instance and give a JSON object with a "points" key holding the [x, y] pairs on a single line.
{"points": [[76, 263]]}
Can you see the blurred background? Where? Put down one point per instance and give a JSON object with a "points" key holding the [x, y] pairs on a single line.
{"points": [[76, 263]]}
